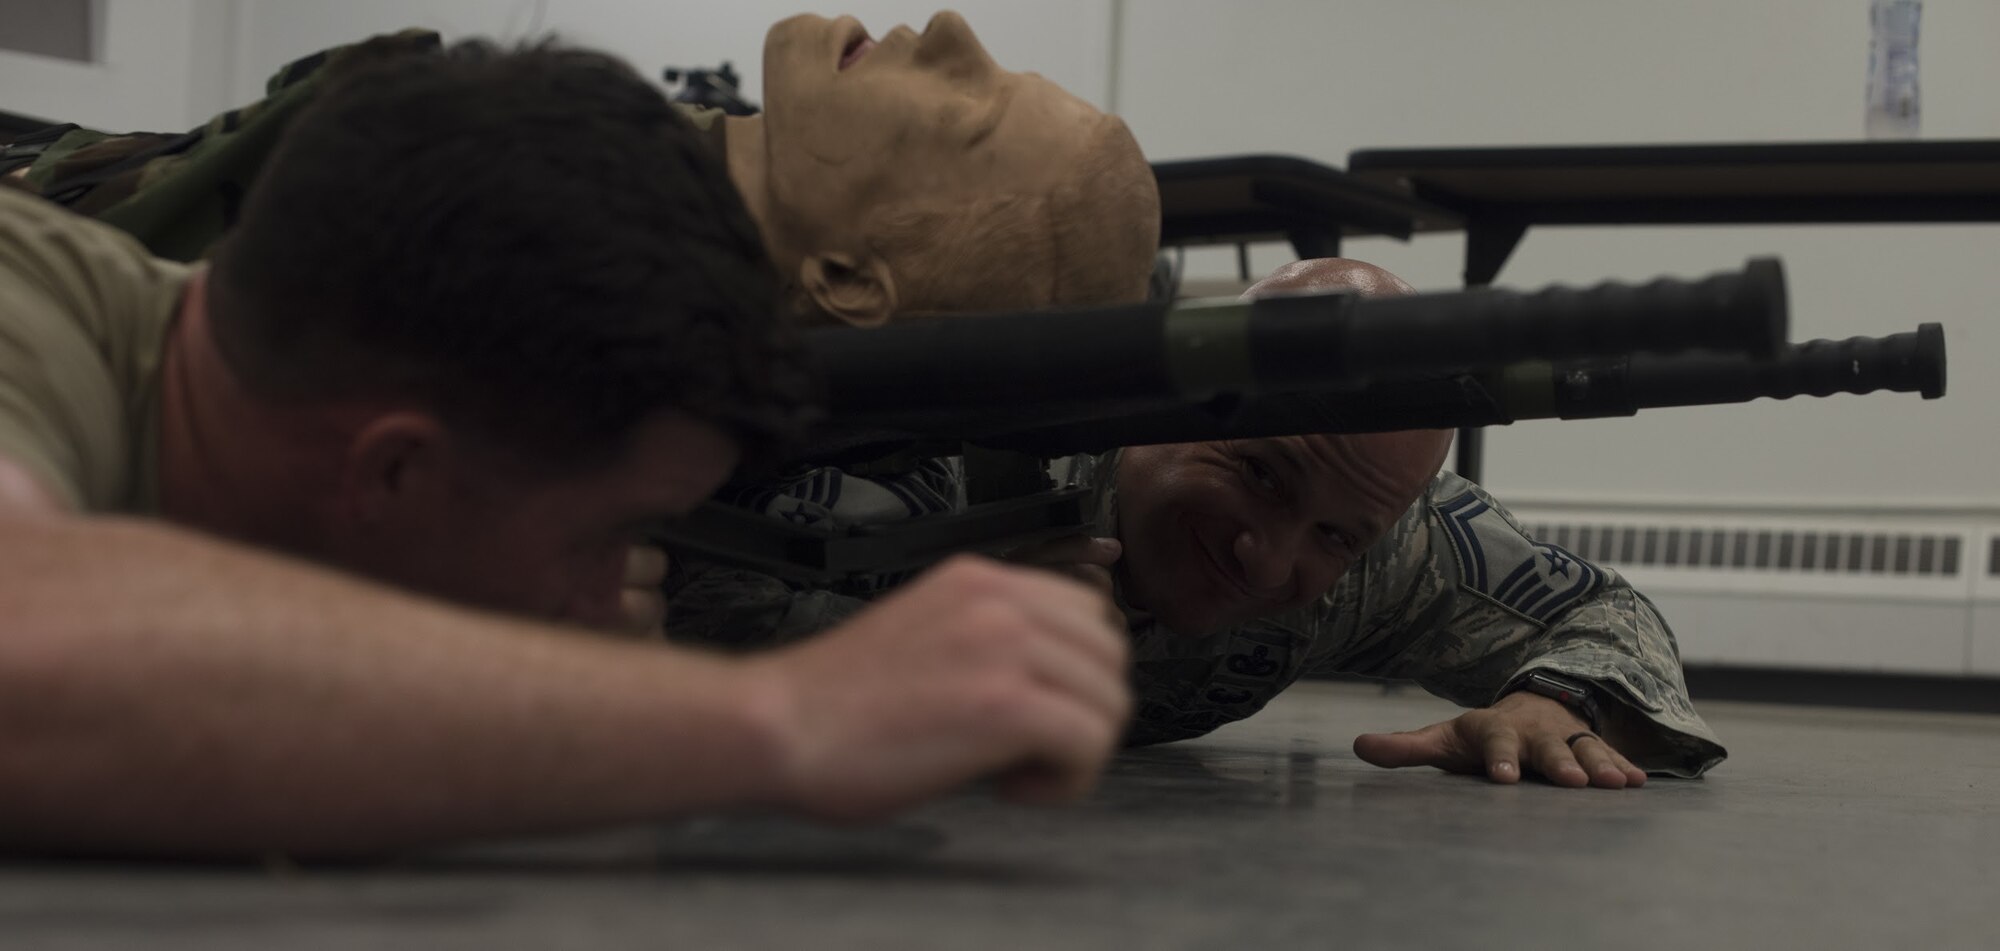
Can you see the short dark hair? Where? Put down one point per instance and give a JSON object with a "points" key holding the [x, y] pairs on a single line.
{"points": [[533, 242]]}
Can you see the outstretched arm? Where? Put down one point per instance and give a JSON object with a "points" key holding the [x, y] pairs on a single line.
{"points": [[165, 692], [1461, 601]]}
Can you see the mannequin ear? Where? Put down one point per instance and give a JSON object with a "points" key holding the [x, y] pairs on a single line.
{"points": [[856, 291]]}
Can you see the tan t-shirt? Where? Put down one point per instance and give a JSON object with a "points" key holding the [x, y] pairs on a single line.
{"points": [[84, 312]]}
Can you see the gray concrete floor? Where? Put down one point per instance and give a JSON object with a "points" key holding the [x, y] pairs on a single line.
{"points": [[1826, 829]]}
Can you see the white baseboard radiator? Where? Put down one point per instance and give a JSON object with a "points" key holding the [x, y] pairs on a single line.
{"points": [[1907, 592]]}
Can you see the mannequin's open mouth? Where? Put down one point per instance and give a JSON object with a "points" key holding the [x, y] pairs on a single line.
{"points": [[855, 49]]}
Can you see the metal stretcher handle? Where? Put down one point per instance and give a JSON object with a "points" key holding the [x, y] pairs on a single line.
{"points": [[1197, 350]]}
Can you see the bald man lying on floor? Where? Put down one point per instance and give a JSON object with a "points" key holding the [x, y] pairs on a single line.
{"points": [[1242, 566]]}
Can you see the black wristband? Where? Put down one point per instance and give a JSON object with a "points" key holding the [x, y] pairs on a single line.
{"points": [[1568, 691]]}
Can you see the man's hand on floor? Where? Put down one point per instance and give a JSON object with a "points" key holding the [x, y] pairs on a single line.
{"points": [[974, 670], [1522, 731]]}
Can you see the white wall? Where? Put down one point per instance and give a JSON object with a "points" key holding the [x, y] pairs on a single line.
{"points": [[271, 33], [161, 68], [171, 64], [1321, 79], [1067, 40]]}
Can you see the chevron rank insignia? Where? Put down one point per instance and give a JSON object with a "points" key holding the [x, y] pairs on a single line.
{"points": [[1533, 579]]}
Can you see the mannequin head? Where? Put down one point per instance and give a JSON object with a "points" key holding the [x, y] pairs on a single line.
{"points": [[912, 175]]}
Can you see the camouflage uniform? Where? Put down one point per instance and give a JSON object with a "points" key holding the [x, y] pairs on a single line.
{"points": [[178, 193], [1455, 597]]}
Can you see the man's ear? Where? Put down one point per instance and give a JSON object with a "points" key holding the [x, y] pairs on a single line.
{"points": [[396, 464], [856, 291]]}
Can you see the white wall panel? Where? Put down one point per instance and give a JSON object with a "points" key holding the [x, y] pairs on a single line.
{"points": [[1321, 79], [159, 69], [1845, 634], [1066, 41]]}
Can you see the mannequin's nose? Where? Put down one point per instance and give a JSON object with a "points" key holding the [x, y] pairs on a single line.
{"points": [[948, 39]]}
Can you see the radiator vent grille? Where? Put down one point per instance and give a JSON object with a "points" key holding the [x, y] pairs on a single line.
{"points": [[1763, 549]]}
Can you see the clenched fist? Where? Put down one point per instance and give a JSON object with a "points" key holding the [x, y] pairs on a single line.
{"points": [[974, 670]]}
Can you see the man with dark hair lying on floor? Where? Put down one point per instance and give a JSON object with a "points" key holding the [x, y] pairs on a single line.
{"points": [[483, 318], [906, 176]]}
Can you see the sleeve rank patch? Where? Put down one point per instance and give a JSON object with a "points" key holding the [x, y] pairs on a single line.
{"points": [[1495, 559]]}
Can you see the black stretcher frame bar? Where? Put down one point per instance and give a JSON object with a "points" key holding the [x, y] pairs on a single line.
{"points": [[1248, 198], [1499, 193], [13, 125]]}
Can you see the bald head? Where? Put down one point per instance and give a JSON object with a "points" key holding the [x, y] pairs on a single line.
{"points": [[1421, 449], [1404, 461], [1324, 275], [1220, 533]]}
